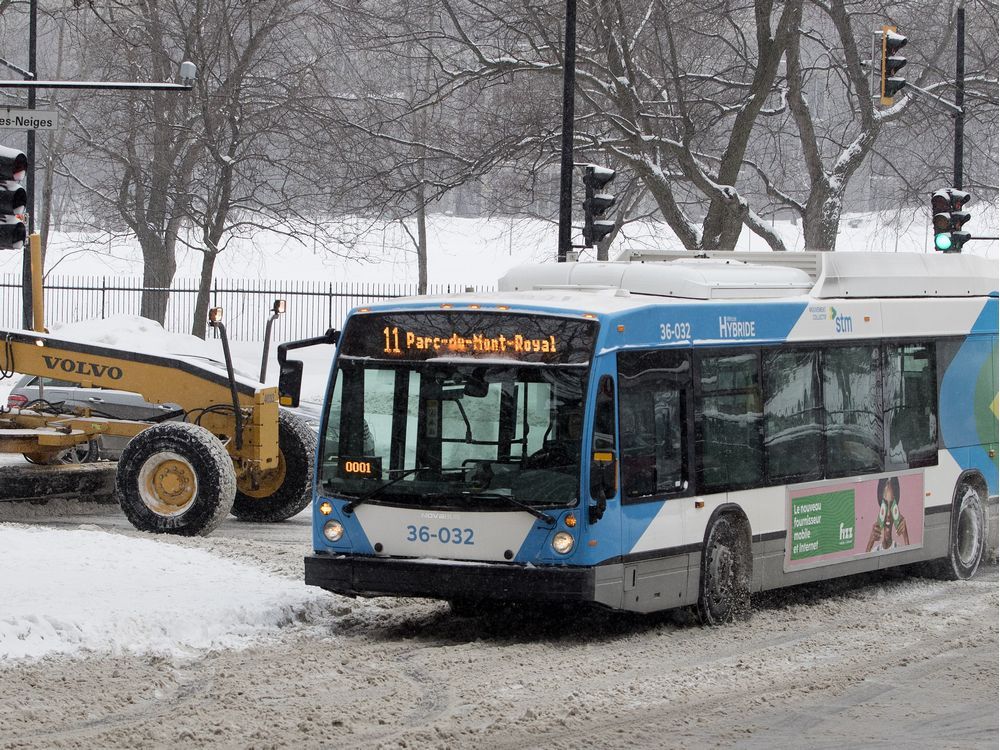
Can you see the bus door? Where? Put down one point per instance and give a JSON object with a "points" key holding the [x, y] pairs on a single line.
{"points": [[654, 392], [602, 480]]}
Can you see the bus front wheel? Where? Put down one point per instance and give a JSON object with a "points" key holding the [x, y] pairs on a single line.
{"points": [[724, 592]]}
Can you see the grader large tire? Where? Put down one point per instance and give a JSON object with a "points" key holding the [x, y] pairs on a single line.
{"points": [[286, 490], [176, 478]]}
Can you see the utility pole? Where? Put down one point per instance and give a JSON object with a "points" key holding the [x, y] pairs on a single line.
{"points": [[959, 92], [566, 165]]}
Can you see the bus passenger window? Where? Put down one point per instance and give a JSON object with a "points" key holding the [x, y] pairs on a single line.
{"points": [[728, 420], [652, 388], [853, 410], [910, 388], [793, 416]]}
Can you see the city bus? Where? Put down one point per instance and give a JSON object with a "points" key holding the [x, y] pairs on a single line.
{"points": [[648, 435]]}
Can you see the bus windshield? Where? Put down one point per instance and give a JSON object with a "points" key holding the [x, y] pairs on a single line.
{"points": [[486, 427]]}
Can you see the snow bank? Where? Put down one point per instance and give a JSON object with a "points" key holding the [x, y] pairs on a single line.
{"points": [[132, 333], [68, 592]]}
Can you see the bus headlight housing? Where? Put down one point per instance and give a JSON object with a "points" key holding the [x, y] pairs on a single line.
{"points": [[563, 542], [333, 530]]}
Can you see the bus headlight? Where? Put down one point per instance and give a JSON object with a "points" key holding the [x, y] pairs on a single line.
{"points": [[333, 530], [562, 542]]}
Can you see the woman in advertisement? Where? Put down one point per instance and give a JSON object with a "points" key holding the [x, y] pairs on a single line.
{"points": [[889, 518]]}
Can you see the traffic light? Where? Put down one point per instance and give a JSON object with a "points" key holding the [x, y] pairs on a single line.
{"points": [[892, 63], [949, 218], [13, 198], [596, 204]]}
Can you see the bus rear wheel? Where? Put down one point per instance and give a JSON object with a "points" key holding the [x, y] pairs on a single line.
{"points": [[968, 534], [284, 491], [724, 591]]}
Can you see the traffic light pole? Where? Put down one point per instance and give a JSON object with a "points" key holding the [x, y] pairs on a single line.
{"points": [[959, 92], [29, 151], [566, 164]]}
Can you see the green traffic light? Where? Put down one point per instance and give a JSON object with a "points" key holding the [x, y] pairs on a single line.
{"points": [[942, 241]]}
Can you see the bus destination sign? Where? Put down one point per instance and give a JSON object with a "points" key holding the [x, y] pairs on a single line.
{"points": [[429, 335], [397, 342]]}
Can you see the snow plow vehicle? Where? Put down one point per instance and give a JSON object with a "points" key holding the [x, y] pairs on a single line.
{"points": [[231, 451], [226, 448]]}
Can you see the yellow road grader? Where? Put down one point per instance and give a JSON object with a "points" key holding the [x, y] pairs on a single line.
{"points": [[228, 448]]}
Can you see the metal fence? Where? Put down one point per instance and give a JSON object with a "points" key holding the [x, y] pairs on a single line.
{"points": [[313, 306]]}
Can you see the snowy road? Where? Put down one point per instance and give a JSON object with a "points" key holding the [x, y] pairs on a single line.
{"points": [[881, 661], [296, 530]]}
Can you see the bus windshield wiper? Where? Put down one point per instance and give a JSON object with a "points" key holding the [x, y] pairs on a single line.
{"points": [[472, 495], [403, 474]]}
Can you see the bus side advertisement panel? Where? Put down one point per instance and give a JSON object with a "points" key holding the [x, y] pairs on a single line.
{"points": [[844, 520]]}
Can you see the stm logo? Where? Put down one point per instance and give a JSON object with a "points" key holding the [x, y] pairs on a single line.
{"points": [[79, 367], [841, 323]]}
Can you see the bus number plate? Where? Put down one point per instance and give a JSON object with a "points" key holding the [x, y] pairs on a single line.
{"points": [[444, 535]]}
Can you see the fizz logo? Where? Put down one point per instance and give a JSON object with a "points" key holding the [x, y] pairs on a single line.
{"points": [[841, 323], [846, 533]]}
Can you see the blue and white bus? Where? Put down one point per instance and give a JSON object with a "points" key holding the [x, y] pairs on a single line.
{"points": [[643, 436]]}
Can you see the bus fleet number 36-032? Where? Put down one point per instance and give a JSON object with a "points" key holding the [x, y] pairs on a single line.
{"points": [[675, 331], [444, 535]]}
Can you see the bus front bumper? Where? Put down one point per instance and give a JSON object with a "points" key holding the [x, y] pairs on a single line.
{"points": [[356, 575]]}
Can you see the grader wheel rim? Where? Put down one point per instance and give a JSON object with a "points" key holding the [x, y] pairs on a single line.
{"points": [[168, 484], [268, 482]]}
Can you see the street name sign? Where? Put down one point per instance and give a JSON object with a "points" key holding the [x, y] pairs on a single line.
{"points": [[29, 119]]}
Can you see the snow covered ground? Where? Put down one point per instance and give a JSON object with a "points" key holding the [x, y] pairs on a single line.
{"points": [[107, 593], [885, 660]]}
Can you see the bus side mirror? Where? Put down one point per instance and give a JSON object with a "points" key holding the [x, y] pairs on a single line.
{"points": [[290, 370], [290, 382], [603, 483]]}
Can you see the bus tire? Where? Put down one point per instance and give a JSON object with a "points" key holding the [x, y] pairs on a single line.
{"points": [[724, 589], [967, 538], [175, 478], [286, 490]]}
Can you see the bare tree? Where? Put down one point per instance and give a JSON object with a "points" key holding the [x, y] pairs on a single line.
{"points": [[412, 136], [229, 159], [657, 92], [833, 152], [252, 172], [141, 146]]}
